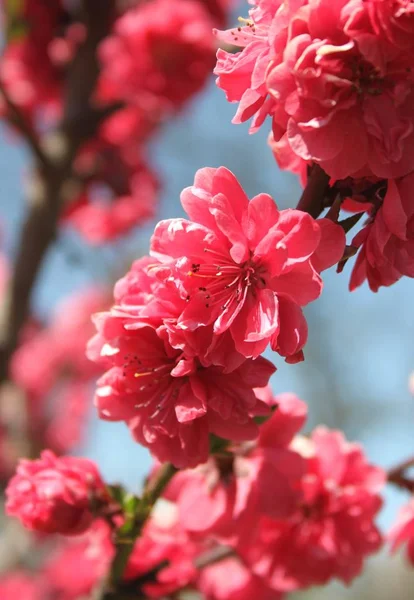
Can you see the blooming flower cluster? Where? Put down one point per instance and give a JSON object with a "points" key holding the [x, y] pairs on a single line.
{"points": [[183, 341], [174, 41], [299, 511], [332, 76], [335, 76], [259, 508], [31, 77], [246, 504]]}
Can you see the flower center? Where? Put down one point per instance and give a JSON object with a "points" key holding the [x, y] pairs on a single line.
{"points": [[148, 372], [344, 66], [367, 79], [158, 390], [226, 282]]}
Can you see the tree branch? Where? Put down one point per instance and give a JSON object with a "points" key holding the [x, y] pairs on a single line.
{"points": [[49, 184], [312, 200], [157, 485], [397, 476], [131, 589], [19, 121]]}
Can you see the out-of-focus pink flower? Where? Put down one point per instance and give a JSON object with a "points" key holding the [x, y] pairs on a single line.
{"points": [[126, 127], [175, 45], [172, 397], [19, 585], [333, 528], [333, 76], [56, 495], [387, 242], [219, 10], [229, 579], [71, 406], [79, 564], [120, 192], [228, 496], [60, 347], [402, 531], [164, 543], [31, 79], [61, 370], [246, 267]]}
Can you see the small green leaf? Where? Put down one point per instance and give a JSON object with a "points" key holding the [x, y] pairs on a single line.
{"points": [[16, 24], [130, 504]]}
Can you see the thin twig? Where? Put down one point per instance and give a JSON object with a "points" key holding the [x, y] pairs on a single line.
{"points": [[131, 589], [124, 547], [397, 476], [19, 121], [157, 485]]}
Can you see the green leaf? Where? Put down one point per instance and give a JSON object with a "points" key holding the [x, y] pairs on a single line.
{"points": [[130, 504], [17, 26]]}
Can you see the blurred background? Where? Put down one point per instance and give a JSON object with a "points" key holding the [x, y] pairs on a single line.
{"points": [[360, 352]]}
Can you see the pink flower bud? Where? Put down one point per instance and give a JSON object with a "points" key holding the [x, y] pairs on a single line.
{"points": [[56, 495]]}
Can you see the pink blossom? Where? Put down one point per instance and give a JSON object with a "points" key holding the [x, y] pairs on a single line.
{"points": [[55, 495], [171, 400], [387, 241], [333, 528], [61, 370], [333, 76], [229, 579], [387, 22], [286, 158], [89, 557], [172, 387], [67, 426], [246, 267], [336, 95], [80, 563], [60, 346], [219, 10], [175, 45], [126, 126], [242, 75], [121, 193], [402, 532], [19, 585], [228, 496], [31, 79], [164, 542]]}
